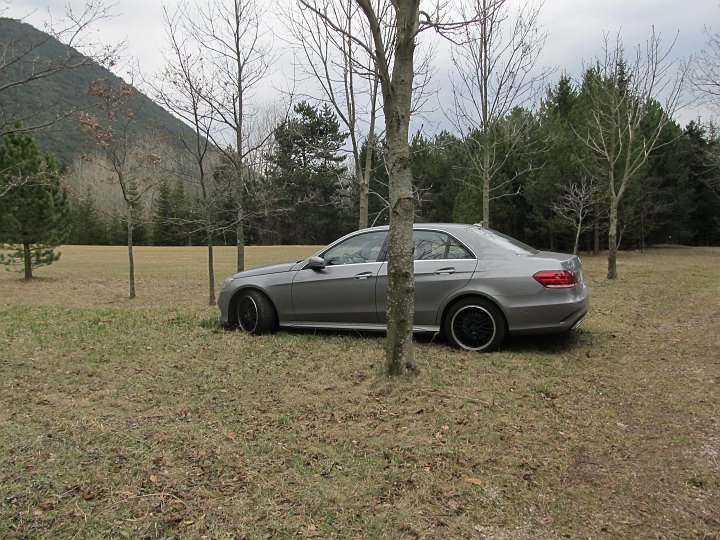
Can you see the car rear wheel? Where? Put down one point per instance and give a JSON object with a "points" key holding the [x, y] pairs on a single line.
{"points": [[474, 324], [255, 313]]}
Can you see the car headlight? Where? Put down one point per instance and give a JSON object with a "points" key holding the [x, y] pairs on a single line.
{"points": [[229, 280]]}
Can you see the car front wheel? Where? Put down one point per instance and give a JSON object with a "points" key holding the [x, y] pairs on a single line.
{"points": [[255, 313], [474, 324]]}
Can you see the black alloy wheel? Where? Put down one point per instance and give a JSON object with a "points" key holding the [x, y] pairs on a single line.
{"points": [[474, 324]]}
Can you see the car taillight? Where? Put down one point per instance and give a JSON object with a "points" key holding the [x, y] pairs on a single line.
{"points": [[556, 279]]}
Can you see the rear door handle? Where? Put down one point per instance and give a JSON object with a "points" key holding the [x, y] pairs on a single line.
{"points": [[363, 275], [441, 271]]}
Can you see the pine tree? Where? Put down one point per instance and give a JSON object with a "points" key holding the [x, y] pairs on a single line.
{"points": [[307, 170], [34, 210], [88, 227], [162, 229]]}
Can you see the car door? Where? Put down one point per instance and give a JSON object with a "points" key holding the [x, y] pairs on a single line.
{"points": [[344, 291], [442, 265]]}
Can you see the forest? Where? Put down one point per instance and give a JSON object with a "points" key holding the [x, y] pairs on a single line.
{"points": [[305, 193]]}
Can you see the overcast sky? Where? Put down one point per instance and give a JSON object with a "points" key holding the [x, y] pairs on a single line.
{"points": [[575, 29]]}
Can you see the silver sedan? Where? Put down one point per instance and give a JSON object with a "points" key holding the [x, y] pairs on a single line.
{"points": [[473, 285]]}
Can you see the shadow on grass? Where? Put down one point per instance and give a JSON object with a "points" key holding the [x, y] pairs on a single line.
{"points": [[553, 343]]}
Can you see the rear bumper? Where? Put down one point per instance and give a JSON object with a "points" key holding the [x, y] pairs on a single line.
{"points": [[562, 315]]}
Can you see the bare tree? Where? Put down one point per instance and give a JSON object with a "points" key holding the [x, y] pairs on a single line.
{"points": [[396, 81], [325, 34], [345, 73], [712, 153], [182, 88], [128, 162], [577, 202], [25, 61], [394, 62], [626, 118], [496, 72], [705, 76], [705, 81], [237, 57]]}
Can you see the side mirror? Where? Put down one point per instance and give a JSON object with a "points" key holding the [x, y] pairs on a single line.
{"points": [[315, 263]]}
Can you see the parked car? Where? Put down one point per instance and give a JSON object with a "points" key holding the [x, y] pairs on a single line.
{"points": [[472, 284]]}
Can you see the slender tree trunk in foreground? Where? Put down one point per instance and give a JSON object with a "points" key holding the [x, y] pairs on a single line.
{"points": [[131, 260], [612, 240], [397, 102], [211, 272], [28, 261]]}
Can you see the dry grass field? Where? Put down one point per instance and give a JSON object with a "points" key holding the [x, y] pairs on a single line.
{"points": [[144, 419]]}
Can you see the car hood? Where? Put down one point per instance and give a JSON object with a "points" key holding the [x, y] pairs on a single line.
{"points": [[263, 270]]}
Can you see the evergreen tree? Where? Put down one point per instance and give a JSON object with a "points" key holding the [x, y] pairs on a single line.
{"points": [[87, 228], [308, 171], [163, 229], [34, 209], [436, 167], [704, 219]]}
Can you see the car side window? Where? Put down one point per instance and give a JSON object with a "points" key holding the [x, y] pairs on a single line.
{"points": [[362, 248], [429, 245], [457, 251], [433, 245]]}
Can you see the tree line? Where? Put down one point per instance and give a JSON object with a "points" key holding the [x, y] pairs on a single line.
{"points": [[305, 193]]}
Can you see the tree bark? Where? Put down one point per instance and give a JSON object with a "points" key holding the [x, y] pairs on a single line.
{"points": [[211, 271], [486, 184], [131, 260], [576, 247], [596, 231], [364, 180], [240, 236], [612, 240], [397, 101], [27, 257]]}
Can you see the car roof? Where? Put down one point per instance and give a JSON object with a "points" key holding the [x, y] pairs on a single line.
{"points": [[440, 226]]}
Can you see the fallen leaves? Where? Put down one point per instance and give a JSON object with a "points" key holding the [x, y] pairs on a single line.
{"points": [[474, 481]]}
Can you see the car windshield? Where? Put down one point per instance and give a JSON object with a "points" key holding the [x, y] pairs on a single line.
{"points": [[505, 241]]}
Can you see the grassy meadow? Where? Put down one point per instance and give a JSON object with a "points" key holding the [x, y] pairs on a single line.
{"points": [[143, 419]]}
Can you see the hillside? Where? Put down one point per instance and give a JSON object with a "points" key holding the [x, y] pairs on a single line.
{"points": [[63, 91]]}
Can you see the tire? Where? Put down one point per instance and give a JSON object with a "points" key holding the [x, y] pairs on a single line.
{"points": [[474, 324], [255, 313]]}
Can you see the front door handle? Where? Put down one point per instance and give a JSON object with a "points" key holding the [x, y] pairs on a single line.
{"points": [[363, 275], [442, 271]]}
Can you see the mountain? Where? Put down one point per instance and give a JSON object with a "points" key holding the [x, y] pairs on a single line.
{"points": [[24, 51]]}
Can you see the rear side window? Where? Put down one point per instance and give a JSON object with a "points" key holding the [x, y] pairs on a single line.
{"points": [[457, 251], [433, 245]]}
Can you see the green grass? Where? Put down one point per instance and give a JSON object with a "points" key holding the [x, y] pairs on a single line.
{"points": [[143, 419]]}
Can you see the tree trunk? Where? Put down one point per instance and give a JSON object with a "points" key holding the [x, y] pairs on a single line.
{"points": [[240, 235], [576, 248], [596, 231], [486, 184], [397, 101], [211, 271], [239, 216], [131, 261], [401, 279], [364, 181], [612, 240], [27, 257]]}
